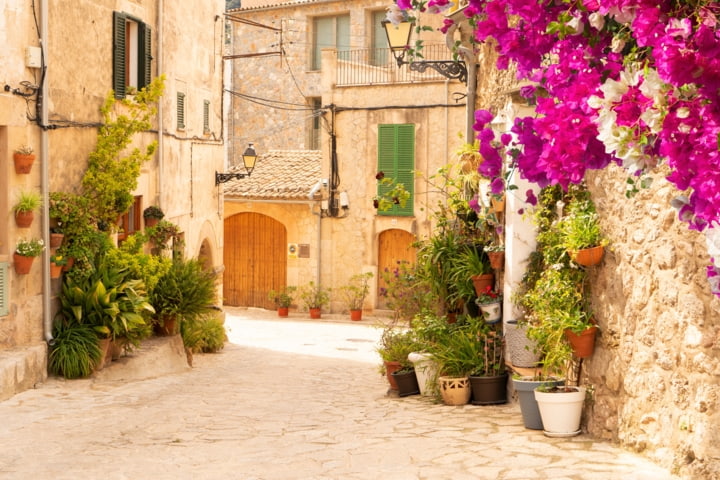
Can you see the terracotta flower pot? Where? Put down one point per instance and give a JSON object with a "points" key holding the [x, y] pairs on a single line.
{"points": [[55, 270], [497, 260], [56, 239], [583, 344], [390, 368], [588, 257], [23, 162], [356, 315], [283, 311], [22, 264], [481, 282], [455, 390], [151, 221], [315, 313], [24, 219]]}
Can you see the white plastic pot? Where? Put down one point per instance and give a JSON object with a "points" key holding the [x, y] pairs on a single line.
{"points": [[561, 411], [425, 370]]}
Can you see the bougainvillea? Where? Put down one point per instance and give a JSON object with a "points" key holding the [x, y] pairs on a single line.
{"points": [[631, 82]]}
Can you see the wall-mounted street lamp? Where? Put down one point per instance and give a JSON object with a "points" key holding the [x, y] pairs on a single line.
{"points": [[249, 157], [399, 41]]}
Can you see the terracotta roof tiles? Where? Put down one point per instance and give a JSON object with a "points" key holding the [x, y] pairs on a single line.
{"points": [[278, 175]]}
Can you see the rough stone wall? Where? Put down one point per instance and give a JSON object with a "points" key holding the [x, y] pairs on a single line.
{"points": [[655, 371]]}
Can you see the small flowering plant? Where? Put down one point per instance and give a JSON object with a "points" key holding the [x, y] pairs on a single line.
{"points": [[390, 193], [489, 296], [30, 248], [58, 260]]}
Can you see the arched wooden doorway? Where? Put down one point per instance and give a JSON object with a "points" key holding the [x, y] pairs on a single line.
{"points": [[255, 260], [394, 247]]}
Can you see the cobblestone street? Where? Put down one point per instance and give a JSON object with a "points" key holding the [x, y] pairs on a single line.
{"points": [[285, 399]]}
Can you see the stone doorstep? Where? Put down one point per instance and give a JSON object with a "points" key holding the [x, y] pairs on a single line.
{"points": [[157, 356], [21, 368]]}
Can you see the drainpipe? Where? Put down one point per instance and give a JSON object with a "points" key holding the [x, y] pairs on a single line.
{"points": [[161, 146], [44, 174]]}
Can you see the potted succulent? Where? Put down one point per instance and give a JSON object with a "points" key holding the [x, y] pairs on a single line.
{"points": [[153, 215], [27, 203], [355, 292], [23, 158], [490, 303], [25, 253], [282, 298], [314, 297]]}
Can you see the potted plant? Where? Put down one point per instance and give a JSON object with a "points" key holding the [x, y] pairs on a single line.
{"points": [[496, 255], [27, 203], [282, 298], [185, 292], [56, 236], [25, 253], [314, 297], [456, 352], [355, 292], [488, 379], [581, 233], [23, 158], [490, 303], [473, 272], [152, 215], [396, 344], [57, 262]]}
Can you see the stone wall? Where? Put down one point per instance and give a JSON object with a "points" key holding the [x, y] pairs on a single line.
{"points": [[655, 371]]}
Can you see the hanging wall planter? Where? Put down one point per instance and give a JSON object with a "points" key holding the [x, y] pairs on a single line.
{"points": [[24, 219], [23, 162], [588, 257], [22, 263], [497, 259], [481, 282], [583, 344]]}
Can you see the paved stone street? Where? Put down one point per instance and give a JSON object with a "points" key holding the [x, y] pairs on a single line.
{"points": [[285, 399]]}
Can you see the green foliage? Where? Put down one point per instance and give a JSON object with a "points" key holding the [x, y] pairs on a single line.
{"points": [[396, 344], [356, 290], [153, 212], [28, 201], [29, 248], [580, 228], [109, 301], [313, 295], [112, 172], [186, 291], [393, 193], [407, 295], [75, 352], [282, 298], [148, 268], [162, 233], [203, 334]]}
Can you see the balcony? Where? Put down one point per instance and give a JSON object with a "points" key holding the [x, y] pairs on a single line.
{"points": [[378, 67]]}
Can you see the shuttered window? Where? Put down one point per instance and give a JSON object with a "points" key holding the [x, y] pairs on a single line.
{"points": [[206, 117], [330, 32], [396, 159], [132, 54], [180, 111], [4, 289], [379, 48]]}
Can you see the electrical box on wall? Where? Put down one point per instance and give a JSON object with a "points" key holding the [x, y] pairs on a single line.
{"points": [[33, 57], [292, 250]]}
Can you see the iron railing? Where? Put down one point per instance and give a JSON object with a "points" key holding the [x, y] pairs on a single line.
{"points": [[378, 66]]}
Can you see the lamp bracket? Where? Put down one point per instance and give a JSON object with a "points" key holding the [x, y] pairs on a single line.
{"points": [[448, 69], [226, 177]]}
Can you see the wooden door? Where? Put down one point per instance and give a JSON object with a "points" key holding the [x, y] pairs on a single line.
{"points": [[394, 246], [255, 259]]}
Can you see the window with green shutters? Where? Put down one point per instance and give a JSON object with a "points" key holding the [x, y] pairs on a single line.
{"points": [[396, 159], [132, 54]]}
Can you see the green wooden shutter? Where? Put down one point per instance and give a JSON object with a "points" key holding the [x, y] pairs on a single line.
{"points": [[206, 116], [180, 110], [396, 158], [406, 166], [4, 289], [144, 55], [119, 49]]}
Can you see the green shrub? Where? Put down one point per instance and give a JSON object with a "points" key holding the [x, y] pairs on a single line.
{"points": [[206, 335], [76, 352]]}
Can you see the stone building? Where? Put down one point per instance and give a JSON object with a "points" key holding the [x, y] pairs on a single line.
{"points": [[318, 76], [62, 58]]}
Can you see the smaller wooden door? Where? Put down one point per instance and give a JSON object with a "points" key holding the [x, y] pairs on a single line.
{"points": [[394, 247]]}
